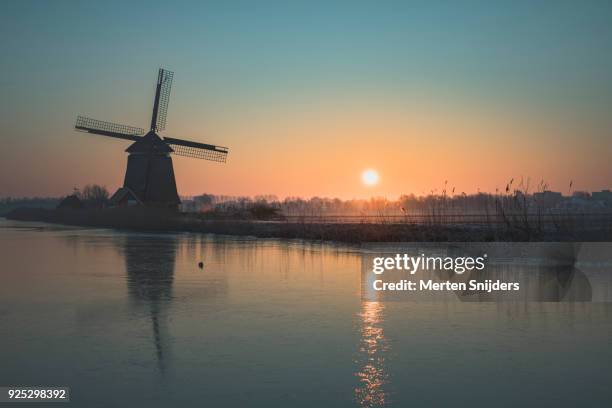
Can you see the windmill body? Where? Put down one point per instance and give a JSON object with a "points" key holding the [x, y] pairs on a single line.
{"points": [[149, 177], [150, 174]]}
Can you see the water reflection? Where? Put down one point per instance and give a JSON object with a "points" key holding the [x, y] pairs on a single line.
{"points": [[373, 379], [279, 323], [150, 273], [561, 283], [544, 272]]}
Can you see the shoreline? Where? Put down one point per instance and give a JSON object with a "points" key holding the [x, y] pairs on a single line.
{"points": [[155, 219]]}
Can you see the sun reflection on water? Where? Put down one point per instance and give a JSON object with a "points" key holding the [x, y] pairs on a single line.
{"points": [[372, 377]]}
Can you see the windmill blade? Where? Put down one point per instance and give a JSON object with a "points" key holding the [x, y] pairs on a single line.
{"points": [[110, 129], [162, 97], [197, 150]]}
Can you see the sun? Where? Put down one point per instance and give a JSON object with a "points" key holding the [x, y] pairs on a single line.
{"points": [[369, 177]]}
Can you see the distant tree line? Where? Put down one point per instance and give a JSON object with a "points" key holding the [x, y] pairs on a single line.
{"points": [[508, 201], [8, 204], [514, 199]]}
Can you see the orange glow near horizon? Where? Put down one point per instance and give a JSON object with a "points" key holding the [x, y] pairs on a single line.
{"points": [[319, 156], [318, 152]]}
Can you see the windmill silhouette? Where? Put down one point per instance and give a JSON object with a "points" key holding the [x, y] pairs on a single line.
{"points": [[149, 177]]}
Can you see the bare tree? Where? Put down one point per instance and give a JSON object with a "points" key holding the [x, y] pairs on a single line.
{"points": [[94, 195]]}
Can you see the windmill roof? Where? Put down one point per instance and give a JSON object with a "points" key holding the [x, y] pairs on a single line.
{"points": [[149, 143]]}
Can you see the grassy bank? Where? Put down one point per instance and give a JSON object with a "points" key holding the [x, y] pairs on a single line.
{"points": [[151, 219]]}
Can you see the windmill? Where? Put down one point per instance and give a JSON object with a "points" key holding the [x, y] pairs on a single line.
{"points": [[149, 177]]}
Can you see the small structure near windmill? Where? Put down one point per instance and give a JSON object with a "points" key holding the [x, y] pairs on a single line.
{"points": [[71, 202], [149, 177]]}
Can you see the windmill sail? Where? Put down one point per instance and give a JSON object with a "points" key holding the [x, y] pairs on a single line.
{"points": [[110, 129], [162, 97], [197, 150]]}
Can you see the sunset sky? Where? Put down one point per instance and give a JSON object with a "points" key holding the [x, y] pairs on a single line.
{"points": [[309, 96]]}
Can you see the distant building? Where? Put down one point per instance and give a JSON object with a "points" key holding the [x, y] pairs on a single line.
{"points": [[580, 201], [584, 195], [548, 198], [71, 202], [605, 196], [124, 197]]}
